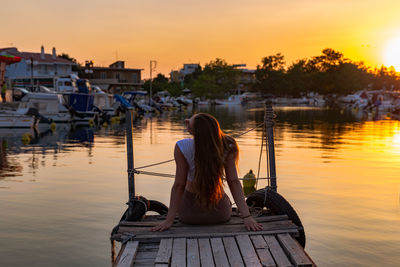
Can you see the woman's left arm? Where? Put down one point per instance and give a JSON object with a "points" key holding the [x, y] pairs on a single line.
{"points": [[237, 192], [176, 192]]}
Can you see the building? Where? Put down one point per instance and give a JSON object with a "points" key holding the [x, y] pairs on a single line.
{"points": [[246, 77], [179, 76], [36, 68], [115, 78]]}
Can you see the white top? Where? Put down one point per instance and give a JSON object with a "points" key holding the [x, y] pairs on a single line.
{"points": [[187, 148]]}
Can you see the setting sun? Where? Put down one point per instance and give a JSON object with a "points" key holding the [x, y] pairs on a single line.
{"points": [[392, 54]]}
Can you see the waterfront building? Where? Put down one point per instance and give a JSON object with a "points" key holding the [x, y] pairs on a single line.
{"points": [[246, 78], [36, 68], [179, 76], [115, 78]]}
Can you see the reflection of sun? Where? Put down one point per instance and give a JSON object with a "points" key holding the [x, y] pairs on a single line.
{"points": [[392, 54], [396, 140]]}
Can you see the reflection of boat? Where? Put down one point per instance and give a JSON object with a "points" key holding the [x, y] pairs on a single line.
{"points": [[17, 120], [232, 100], [13, 116]]}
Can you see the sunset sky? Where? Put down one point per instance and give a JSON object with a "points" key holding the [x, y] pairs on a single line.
{"points": [[174, 32]]}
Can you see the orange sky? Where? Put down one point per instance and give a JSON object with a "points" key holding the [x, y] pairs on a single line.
{"points": [[174, 32]]}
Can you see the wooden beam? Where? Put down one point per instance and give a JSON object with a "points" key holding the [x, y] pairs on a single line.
{"points": [[218, 250], [206, 257], [294, 250], [277, 252], [232, 251], [262, 251], [164, 251], [178, 253], [249, 255], [193, 255], [128, 254], [152, 237], [267, 226], [232, 221]]}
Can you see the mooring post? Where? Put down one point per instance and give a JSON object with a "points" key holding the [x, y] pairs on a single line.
{"points": [[269, 125], [129, 151]]}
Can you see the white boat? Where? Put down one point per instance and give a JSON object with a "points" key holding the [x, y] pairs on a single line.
{"points": [[50, 105], [103, 101]]}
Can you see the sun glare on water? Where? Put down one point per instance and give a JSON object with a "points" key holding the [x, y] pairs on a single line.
{"points": [[392, 54]]}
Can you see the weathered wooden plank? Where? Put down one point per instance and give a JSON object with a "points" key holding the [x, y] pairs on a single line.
{"points": [[206, 257], [164, 251], [178, 252], [258, 241], [128, 254], [262, 251], [249, 255], [267, 226], [294, 250], [147, 237], [146, 255], [193, 256], [161, 265], [218, 250], [277, 252], [232, 221], [232, 251], [147, 246]]}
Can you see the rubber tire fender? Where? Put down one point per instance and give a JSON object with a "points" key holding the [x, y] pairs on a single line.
{"points": [[158, 207], [279, 206]]}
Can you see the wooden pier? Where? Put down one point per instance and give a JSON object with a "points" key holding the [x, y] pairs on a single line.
{"points": [[228, 244]]}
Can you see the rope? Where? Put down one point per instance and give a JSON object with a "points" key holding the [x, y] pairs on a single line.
{"points": [[155, 164], [166, 161], [252, 129], [166, 175]]}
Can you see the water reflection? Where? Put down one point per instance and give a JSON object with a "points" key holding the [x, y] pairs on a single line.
{"points": [[339, 170]]}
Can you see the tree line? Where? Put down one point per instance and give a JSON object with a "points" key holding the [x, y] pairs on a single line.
{"points": [[328, 73]]}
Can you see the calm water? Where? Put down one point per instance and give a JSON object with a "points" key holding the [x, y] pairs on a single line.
{"points": [[61, 195]]}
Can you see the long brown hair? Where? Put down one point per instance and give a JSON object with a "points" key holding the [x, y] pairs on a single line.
{"points": [[212, 147]]}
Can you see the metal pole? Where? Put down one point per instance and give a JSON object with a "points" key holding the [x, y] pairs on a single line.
{"points": [[269, 124], [31, 74], [129, 151], [151, 80]]}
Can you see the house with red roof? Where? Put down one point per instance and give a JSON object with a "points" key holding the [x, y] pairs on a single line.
{"points": [[35, 66]]}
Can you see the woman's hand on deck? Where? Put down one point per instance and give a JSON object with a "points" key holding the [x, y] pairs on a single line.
{"points": [[162, 226], [251, 224]]}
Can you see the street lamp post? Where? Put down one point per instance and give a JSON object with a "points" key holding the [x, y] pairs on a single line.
{"points": [[153, 65]]}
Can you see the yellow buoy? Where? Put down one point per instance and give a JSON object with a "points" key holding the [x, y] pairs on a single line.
{"points": [[26, 138], [53, 126], [249, 183], [105, 124], [91, 123]]}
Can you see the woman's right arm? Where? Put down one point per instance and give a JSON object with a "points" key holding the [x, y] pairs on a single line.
{"points": [[177, 190], [237, 192]]}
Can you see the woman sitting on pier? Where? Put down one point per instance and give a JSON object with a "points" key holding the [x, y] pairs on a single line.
{"points": [[197, 195]]}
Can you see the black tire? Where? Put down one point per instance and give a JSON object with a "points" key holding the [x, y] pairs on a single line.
{"points": [[158, 207], [279, 206], [140, 207]]}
